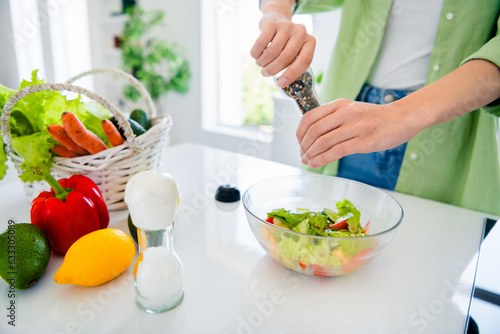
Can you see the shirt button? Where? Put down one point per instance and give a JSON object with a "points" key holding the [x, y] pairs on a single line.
{"points": [[388, 98], [414, 156], [435, 67], [450, 16]]}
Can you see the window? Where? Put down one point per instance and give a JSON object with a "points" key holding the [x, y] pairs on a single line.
{"points": [[52, 36], [27, 37], [235, 97]]}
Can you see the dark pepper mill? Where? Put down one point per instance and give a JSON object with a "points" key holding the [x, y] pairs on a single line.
{"points": [[301, 91]]}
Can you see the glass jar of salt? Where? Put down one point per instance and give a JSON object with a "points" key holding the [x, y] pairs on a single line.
{"points": [[152, 199], [302, 90]]}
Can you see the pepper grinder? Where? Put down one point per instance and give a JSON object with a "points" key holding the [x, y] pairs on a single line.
{"points": [[152, 199], [302, 91]]}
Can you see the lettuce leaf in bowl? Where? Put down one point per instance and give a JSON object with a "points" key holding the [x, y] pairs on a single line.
{"points": [[347, 209], [292, 252], [289, 218]]}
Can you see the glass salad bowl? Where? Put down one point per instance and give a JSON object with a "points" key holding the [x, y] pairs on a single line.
{"points": [[321, 255]]}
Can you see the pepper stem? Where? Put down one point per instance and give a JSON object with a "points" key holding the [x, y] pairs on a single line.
{"points": [[60, 192]]}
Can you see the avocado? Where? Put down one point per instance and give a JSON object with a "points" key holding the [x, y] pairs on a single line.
{"points": [[24, 255]]}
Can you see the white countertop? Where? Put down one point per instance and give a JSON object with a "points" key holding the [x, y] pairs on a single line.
{"points": [[420, 284]]}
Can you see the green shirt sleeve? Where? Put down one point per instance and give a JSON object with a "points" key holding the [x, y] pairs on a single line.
{"points": [[316, 6]]}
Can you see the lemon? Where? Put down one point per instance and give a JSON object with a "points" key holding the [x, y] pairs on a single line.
{"points": [[24, 255], [96, 258]]}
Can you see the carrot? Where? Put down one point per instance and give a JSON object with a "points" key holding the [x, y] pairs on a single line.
{"points": [[62, 151], [80, 135], [111, 131], [59, 134]]}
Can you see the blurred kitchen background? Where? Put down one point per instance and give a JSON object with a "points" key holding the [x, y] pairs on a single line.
{"points": [[218, 96]]}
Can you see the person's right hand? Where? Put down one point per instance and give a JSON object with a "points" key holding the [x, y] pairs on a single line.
{"points": [[283, 43]]}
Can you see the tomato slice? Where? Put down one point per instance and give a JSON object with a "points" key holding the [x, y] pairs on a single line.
{"points": [[367, 227], [270, 220], [342, 225], [320, 271]]}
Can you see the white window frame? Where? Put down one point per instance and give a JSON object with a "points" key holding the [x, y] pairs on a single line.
{"points": [[212, 104]]}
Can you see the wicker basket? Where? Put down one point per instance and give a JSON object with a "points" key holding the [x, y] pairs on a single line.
{"points": [[109, 169]]}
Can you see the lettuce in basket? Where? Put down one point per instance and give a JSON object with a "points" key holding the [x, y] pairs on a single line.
{"points": [[29, 119], [5, 94]]}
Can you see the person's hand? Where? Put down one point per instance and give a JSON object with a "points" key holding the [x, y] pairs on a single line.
{"points": [[280, 44], [343, 127]]}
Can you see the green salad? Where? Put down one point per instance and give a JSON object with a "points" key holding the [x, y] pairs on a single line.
{"points": [[320, 256], [327, 223]]}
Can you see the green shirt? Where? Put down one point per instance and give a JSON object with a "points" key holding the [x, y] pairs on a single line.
{"points": [[455, 162]]}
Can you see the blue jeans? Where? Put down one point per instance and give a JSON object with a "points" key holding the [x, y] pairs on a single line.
{"points": [[379, 169]]}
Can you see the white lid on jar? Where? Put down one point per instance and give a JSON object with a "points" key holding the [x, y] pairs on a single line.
{"points": [[152, 198]]}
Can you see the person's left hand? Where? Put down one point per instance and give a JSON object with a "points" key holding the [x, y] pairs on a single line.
{"points": [[343, 127]]}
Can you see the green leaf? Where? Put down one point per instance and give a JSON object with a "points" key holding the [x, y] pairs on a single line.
{"points": [[302, 227], [97, 110], [353, 246], [318, 221], [34, 80], [291, 252], [5, 94], [346, 208], [290, 219], [3, 160], [35, 149], [19, 124]]}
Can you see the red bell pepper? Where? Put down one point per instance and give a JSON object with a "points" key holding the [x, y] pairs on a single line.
{"points": [[74, 207]]}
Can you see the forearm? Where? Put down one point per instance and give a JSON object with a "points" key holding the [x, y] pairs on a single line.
{"points": [[343, 127], [469, 87], [277, 9]]}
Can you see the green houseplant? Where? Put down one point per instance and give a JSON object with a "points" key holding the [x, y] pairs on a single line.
{"points": [[157, 63]]}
